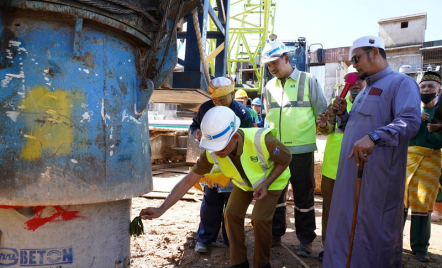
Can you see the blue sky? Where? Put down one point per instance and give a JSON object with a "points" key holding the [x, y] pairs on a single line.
{"points": [[336, 23]]}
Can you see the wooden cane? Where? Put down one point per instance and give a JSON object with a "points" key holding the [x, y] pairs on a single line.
{"points": [[355, 213]]}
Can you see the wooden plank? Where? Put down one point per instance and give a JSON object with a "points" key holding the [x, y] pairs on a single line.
{"points": [[179, 96], [171, 165], [184, 170]]}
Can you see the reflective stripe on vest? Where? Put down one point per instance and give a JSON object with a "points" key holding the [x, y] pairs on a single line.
{"points": [[298, 103], [255, 161]]}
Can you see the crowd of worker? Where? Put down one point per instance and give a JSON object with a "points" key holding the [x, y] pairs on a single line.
{"points": [[382, 159]]}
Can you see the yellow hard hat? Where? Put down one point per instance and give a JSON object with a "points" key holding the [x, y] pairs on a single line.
{"points": [[240, 93]]}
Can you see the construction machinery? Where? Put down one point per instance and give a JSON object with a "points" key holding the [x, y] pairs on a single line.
{"points": [[76, 78]]}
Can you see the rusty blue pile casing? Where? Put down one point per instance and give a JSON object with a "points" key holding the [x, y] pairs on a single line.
{"points": [[75, 78]]}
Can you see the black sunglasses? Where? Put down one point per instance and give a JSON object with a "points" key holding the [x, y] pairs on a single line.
{"points": [[355, 58]]}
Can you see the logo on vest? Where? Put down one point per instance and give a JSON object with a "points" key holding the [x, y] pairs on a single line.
{"points": [[254, 159], [292, 85]]}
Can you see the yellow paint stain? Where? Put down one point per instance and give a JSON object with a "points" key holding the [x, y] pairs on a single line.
{"points": [[49, 121]]}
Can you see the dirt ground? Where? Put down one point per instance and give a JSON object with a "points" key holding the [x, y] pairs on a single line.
{"points": [[169, 240]]}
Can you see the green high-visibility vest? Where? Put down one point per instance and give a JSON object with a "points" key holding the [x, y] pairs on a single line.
{"points": [[291, 113], [333, 150], [255, 161]]}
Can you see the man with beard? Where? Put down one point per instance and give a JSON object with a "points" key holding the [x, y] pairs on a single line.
{"points": [[384, 117], [327, 126]]}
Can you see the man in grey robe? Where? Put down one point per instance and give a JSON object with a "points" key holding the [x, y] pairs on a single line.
{"points": [[384, 116]]}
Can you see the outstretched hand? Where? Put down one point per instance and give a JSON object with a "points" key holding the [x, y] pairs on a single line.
{"points": [[151, 213]]}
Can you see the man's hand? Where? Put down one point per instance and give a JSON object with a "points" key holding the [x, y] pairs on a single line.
{"points": [[434, 127], [339, 105], [260, 192], [425, 117], [198, 134], [361, 149], [151, 213], [321, 120]]}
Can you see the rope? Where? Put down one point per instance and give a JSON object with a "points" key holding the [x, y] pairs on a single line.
{"points": [[107, 7], [200, 44], [115, 9], [171, 35]]}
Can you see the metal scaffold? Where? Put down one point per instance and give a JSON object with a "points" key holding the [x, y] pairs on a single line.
{"points": [[251, 23]]}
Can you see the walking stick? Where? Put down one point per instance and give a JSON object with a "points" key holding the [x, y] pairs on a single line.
{"points": [[355, 213]]}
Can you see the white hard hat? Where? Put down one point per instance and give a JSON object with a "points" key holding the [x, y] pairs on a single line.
{"points": [[351, 69], [367, 41], [273, 50], [217, 127]]}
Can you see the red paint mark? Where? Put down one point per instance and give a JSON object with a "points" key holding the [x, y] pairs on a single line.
{"points": [[11, 207], [58, 215]]}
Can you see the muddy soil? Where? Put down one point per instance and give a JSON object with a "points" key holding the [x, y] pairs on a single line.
{"points": [[169, 241]]}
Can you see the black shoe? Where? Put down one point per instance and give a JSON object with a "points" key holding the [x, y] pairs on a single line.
{"points": [[422, 256], [276, 241], [241, 265], [321, 256]]}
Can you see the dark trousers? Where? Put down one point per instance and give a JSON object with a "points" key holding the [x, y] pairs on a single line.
{"points": [[420, 231], [212, 216], [303, 184], [327, 186]]}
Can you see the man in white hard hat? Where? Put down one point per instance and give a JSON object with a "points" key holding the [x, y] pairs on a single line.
{"points": [[327, 126], [221, 90], [384, 117], [257, 164], [293, 100]]}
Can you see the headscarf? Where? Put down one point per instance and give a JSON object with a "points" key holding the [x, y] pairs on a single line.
{"points": [[221, 86]]}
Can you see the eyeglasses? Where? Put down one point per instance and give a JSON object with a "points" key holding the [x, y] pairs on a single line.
{"points": [[355, 59]]}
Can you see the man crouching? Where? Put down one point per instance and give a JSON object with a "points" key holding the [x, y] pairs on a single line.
{"points": [[256, 162]]}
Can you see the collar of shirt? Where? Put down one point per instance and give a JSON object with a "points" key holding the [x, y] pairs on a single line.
{"points": [[293, 75], [373, 78]]}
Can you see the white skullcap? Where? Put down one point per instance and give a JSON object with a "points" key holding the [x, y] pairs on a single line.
{"points": [[368, 41], [221, 81]]}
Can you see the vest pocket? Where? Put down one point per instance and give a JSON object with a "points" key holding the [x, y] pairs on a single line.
{"points": [[370, 102]]}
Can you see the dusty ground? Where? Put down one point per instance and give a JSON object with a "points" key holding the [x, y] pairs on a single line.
{"points": [[169, 240]]}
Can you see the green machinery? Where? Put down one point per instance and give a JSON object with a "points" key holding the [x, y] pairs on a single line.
{"points": [[251, 23]]}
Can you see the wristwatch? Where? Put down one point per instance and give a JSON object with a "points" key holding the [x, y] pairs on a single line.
{"points": [[374, 137]]}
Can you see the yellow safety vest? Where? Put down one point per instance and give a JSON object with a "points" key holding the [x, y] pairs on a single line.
{"points": [[255, 161], [290, 112], [333, 150]]}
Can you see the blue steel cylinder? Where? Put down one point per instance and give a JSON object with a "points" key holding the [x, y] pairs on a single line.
{"points": [[73, 129]]}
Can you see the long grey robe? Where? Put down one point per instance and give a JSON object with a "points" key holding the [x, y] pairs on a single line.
{"points": [[389, 105]]}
